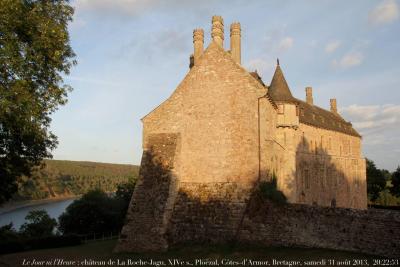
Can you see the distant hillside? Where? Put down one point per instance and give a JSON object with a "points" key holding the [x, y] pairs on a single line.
{"points": [[61, 178]]}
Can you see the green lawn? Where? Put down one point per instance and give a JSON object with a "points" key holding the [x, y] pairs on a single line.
{"points": [[99, 253]]}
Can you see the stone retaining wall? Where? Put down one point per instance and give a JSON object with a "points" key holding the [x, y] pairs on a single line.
{"points": [[375, 232]]}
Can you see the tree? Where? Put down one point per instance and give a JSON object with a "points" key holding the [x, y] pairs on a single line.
{"points": [[376, 181], [395, 189], [34, 54], [39, 224], [95, 212], [8, 232], [125, 191]]}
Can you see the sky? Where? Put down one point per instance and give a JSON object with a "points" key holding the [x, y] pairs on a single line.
{"points": [[133, 53]]}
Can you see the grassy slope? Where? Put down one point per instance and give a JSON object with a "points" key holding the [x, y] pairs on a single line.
{"points": [[102, 250], [60, 178]]}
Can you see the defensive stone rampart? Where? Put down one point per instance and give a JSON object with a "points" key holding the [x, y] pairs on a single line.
{"points": [[375, 232]]}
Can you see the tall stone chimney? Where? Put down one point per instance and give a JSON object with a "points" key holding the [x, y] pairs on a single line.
{"points": [[198, 44], [333, 105], [217, 30], [235, 42], [309, 98]]}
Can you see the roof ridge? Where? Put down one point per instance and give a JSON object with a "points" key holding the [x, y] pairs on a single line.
{"points": [[330, 121], [325, 110], [256, 82]]}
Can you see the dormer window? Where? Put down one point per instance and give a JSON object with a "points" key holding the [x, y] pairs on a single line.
{"points": [[281, 109]]}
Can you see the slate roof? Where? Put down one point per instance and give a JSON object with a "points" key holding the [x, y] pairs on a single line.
{"points": [[309, 114], [279, 89], [257, 77], [319, 117]]}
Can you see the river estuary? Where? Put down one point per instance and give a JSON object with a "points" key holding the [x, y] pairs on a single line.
{"points": [[17, 216]]}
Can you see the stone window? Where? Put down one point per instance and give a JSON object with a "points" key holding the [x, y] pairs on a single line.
{"points": [[297, 111], [307, 178], [281, 109]]}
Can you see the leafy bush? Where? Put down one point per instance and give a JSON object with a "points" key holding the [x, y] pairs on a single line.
{"points": [[12, 241], [12, 246], [395, 180], [94, 212], [22, 243], [53, 242], [376, 181], [387, 199], [268, 190], [124, 192], [39, 224]]}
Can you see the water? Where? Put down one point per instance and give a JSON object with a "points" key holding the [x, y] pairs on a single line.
{"points": [[17, 216]]}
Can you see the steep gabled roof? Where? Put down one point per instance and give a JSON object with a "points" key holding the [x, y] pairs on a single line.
{"points": [[216, 53], [279, 90], [319, 117], [309, 114], [257, 77]]}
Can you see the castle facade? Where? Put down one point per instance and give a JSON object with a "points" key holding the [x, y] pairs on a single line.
{"points": [[223, 131]]}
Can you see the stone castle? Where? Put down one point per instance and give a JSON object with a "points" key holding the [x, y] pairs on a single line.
{"points": [[223, 131]]}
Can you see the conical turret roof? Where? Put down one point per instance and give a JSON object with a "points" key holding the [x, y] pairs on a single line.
{"points": [[279, 89]]}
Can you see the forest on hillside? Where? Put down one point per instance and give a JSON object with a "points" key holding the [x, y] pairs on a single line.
{"points": [[59, 178]]}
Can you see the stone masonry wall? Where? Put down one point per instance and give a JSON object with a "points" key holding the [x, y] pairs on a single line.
{"points": [[227, 218], [375, 232], [329, 168], [207, 213], [149, 210]]}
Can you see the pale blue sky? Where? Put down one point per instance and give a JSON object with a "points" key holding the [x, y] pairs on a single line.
{"points": [[133, 53]]}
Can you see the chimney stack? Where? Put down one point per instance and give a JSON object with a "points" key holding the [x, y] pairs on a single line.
{"points": [[333, 105], [235, 42], [217, 30], [198, 43], [309, 97]]}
